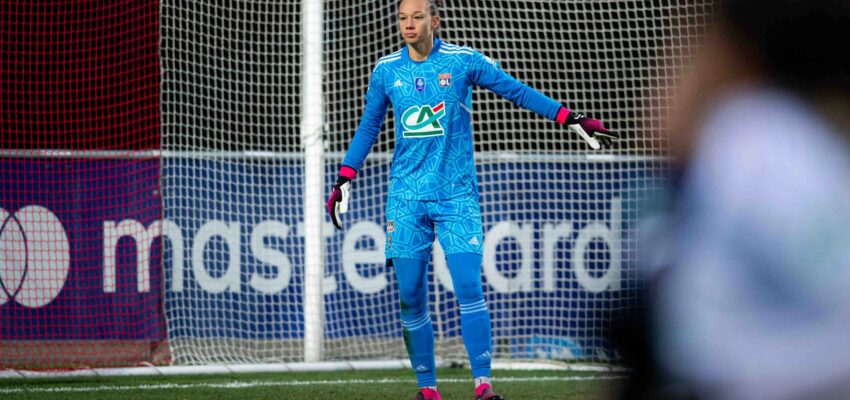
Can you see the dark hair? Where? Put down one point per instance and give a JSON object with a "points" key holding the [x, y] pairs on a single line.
{"points": [[433, 6], [800, 42]]}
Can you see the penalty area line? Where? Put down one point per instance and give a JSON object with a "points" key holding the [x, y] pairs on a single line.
{"points": [[253, 384]]}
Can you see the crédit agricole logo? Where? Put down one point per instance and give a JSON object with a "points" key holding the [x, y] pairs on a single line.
{"points": [[423, 121]]}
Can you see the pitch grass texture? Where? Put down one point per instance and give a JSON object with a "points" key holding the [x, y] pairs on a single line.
{"points": [[350, 385]]}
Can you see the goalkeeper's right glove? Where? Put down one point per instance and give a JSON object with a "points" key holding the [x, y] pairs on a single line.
{"points": [[338, 201], [589, 129]]}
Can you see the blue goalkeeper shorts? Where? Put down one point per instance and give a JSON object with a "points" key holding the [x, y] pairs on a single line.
{"points": [[412, 225]]}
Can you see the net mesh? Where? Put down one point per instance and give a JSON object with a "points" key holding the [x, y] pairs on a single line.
{"points": [[80, 185], [559, 221], [560, 225], [90, 212], [232, 184]]}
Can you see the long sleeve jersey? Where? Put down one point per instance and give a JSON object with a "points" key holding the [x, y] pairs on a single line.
{"points": [[432, 103]]}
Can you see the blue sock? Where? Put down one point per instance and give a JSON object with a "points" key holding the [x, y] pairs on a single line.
{"points": [[465, 269], [415, 318]]}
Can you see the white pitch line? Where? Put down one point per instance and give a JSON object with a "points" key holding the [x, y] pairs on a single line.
{"points": [[251, 384]]}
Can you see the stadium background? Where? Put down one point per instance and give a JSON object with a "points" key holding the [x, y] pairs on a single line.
{"points": [[184, 117]]}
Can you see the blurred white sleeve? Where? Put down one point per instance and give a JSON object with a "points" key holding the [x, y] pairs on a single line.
{"points": [[757, 302]]}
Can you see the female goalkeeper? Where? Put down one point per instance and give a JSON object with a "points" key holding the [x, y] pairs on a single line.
{"points": [[433, 189]]}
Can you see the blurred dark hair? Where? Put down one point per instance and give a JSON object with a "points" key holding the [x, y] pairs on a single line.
{"points": [[800, 42], [433, 6]]}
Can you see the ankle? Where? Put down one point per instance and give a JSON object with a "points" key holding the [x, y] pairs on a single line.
{"points": [[479, 380]]}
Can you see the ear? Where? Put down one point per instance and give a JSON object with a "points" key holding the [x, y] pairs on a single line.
{"points": [[435, 22]]}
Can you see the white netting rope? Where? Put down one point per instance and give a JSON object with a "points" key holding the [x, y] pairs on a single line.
{"points": [[231, 73]]}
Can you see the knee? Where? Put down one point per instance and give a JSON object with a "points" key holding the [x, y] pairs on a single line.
{"points": [[412, 300], [469, 291], [466, 276]]}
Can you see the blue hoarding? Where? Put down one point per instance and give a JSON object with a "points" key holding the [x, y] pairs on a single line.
{"points": [[559, 254], [78, 260]]}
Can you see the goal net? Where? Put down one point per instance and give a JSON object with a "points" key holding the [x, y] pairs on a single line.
{"points": [[154, 167], [80, 179], [559, 220]]}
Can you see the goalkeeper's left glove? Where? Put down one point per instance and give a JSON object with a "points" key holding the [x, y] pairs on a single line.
{"points": [[589, 129], [338, 201]]}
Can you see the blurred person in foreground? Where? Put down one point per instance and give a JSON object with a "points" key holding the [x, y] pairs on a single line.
{"points": [[749, 273]]}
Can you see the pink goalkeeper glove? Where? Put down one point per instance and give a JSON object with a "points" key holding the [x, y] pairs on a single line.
{"points": [[589, 129], [338, 202]]}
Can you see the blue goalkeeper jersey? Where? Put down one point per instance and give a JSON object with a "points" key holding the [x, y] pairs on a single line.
{"points": [[432, 103]]}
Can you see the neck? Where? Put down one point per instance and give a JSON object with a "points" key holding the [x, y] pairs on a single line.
{"points": [[420, 51]]}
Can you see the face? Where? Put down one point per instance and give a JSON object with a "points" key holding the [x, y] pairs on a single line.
{"points": [[415, 21]]}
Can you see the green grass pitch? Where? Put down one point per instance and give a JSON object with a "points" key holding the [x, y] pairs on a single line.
{"points": [[454, 383]]}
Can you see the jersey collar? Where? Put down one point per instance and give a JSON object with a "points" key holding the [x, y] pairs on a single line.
{"points": [[434, 50]]}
